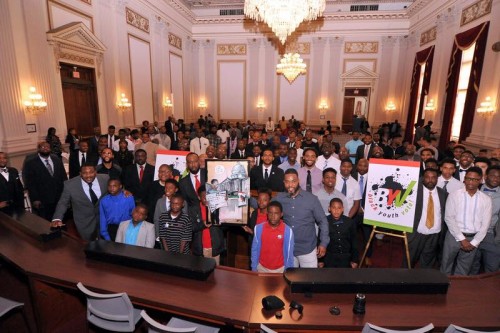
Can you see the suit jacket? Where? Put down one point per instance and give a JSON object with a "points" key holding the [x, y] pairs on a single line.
{"points": [[189, 193], [250, 146], [236, 155], [74, 162], [274, 182], [12, 191], [40, 184], [145, 237], [93, 144], [360, 152], [130, 180], [85, 214], [418, 206]]}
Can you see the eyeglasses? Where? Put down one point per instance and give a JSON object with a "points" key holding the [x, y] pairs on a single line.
{"points": [[472, 179]]}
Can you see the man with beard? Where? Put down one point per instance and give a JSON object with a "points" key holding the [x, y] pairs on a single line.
{"points": [[44, 177], [427, 223], [267, 174], [239, 153], [302, 211], [190, 184], [410, 154], [138, 177], [377, 152], [327, 160], [108, 167], [310, 176]]}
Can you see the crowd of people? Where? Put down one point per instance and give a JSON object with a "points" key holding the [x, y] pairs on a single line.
{"points": [[310, 185]]}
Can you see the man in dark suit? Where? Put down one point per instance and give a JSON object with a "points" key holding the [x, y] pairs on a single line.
{"points": [[428, 221], [83, 193], [256, 142], [240, 152], [267, 174], [111, 137], [366, 150], [169, 125], [44, 177], [189, 185], [94, 141], [138, 177], [80, 157], [11, 189]]}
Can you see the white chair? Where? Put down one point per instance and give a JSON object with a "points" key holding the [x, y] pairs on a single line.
{"points": [[457, 329], [370, 328], [113, 312], [176, 325], [265, 329], [6, 305]]}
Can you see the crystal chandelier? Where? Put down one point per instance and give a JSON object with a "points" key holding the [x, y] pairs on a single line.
{"points": [[291, 66], [284, 16]]}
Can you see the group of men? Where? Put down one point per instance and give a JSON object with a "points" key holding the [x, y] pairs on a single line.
{"points": [[457, 208]]}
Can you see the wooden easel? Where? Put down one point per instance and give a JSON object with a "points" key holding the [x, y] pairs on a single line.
{"points": [[375, 231]]}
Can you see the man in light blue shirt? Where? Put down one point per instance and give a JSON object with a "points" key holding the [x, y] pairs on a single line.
{"points": [[291, 162], [137, 231], [352, 145]]}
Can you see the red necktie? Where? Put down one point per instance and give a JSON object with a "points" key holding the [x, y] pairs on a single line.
{"points": [[141, 173], [197, 183]]}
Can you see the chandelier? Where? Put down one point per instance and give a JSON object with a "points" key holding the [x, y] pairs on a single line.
{"points": [[291, 66], [284, 16]]}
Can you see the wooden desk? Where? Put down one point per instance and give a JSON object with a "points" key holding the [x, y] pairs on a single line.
{"points": [[230, 297]]}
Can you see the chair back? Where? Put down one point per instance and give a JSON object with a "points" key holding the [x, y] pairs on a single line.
{"points": [[370, 328], [457, 329], [156, 327], [265, 329], [112, 312]]}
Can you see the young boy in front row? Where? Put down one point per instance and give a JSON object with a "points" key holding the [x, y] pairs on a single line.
{"points": [[342, 251], [137, 231], [273, 243], [175, 227]]}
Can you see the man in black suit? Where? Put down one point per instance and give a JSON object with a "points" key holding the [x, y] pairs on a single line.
{"points": [[138, 177], [366, 150], [189, 185], [94, 141], [169, 125], [240, 152], [267, 174], [44, 176], [78, 158], [11, 189], [256, 142], [428, 221], [111, 137]]}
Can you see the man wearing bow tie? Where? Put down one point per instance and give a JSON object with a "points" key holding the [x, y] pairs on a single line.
{"points": [[11, 189], [464, 163]]}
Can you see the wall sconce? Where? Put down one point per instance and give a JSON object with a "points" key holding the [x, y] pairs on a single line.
{"points": [[390, 107], [261, 106], [202, 107], [124, 104], [35, 105], [168, 105], [486, 108], [430, 107], [323, 109]]}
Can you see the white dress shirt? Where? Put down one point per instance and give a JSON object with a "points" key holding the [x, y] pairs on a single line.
{"points": [[199, 145], [422, 228], [223, 135], [333, 162], [5, 174], [130, 145], [453, 184], [352, 193], [95, 187], [468, 214], [193, 179]]}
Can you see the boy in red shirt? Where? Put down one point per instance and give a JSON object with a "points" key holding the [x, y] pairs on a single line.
{"points": [[272, 246]]}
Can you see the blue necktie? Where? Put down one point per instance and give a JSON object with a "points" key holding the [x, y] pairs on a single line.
{"points": [[361, 185], [488, 190], [344, 186]]}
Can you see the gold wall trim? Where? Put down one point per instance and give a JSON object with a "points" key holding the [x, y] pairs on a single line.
{"points": [[69, 9], [136, 20], [361, 47], [300, 48], [475, 11], [231, 49], [175, 41], [428, 36]]}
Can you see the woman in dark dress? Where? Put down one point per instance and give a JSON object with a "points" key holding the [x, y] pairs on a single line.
{"points": [[73, 140], [53, 140]]}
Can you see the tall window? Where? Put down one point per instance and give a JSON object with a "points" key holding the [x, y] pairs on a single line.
{"points": [[419, 93], [463, 84]]}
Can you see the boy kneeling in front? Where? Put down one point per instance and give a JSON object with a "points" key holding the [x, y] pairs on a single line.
{"points": [[272, 246]]}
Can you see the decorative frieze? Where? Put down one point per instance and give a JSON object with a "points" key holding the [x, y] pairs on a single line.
{"points": [[428, 36], [361, 47], [231, 49], [475, 11], [137, 20], [175, 41]]}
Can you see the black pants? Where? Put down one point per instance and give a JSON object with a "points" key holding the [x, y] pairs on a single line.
{"points": [[112, 229]]}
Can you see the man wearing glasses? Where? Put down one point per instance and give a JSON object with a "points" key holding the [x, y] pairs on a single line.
{"points": [[468, 216]]}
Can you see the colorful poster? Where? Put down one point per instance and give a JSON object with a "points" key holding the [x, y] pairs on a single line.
{"points": [[391, 194], [175, 158]]}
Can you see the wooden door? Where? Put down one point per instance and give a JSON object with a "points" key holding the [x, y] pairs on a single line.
{"points": [[80, 98], [347, 114]]}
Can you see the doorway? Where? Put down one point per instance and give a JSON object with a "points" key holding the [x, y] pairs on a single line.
{"points": [[355, 104], [80, 98]]}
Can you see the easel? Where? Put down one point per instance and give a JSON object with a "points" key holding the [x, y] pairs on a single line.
{"points": [[375, 231]]}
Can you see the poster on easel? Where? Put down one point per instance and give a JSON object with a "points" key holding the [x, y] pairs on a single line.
{"points": [[391, 194], [228, 190], [175, 158]]}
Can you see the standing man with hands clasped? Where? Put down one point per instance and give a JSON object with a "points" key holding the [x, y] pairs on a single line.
{"points": [[302, 211]]}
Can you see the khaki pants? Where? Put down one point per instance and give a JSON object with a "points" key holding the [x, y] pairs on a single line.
{"points": [[262, 269], [207, 253]]}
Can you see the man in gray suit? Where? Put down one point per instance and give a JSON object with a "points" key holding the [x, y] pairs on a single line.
{"points": [[144, 236], [83, 194]]}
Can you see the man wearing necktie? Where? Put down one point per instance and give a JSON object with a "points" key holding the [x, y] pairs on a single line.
{"points": [[240, 152], [464, 163], [138, 177], [44, 176], [267, 174], [199, 144], [83, 193], [348, 185], [427, 222], [365, 150], [189, 184], [80, 157], [446, 181], [11, 189]]}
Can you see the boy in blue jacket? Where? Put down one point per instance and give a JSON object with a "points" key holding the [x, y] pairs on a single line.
{"points": [[272, 246]]}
